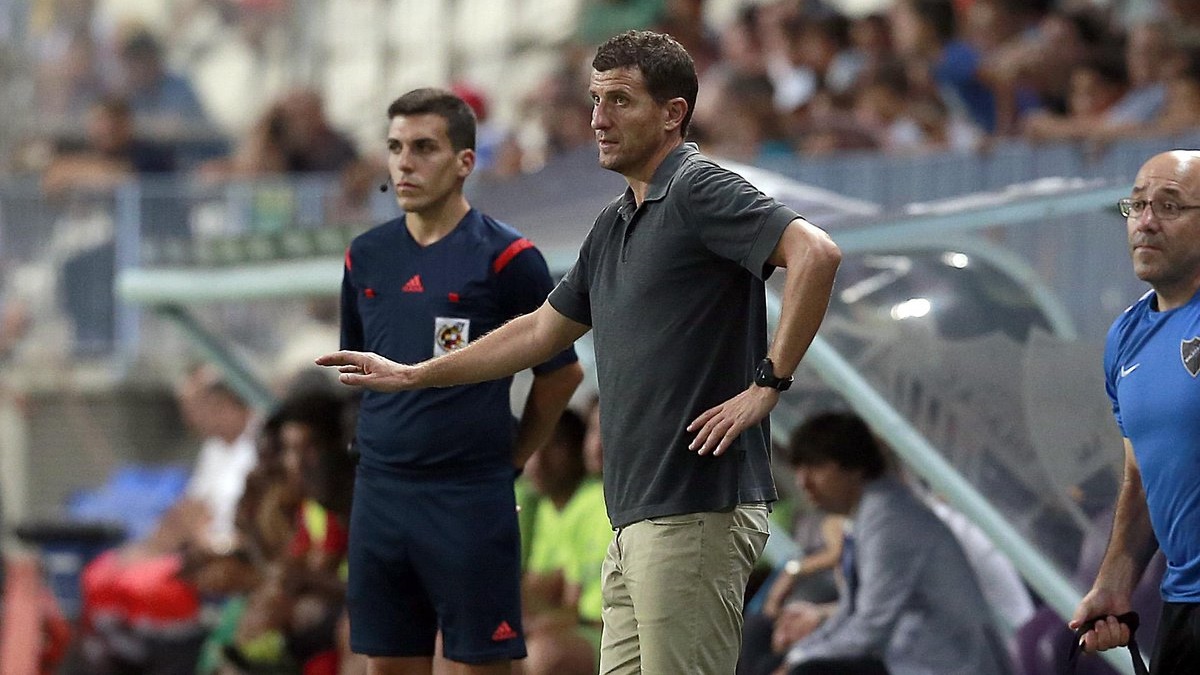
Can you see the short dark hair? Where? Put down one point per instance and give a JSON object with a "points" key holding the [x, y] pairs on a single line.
{"points": [[666, 66], [460, 119], [569, 434], [323, 414], [570, 430], [320, 412], [839, 437]]}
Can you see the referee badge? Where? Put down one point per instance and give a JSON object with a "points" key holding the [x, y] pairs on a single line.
{"points": [[1189, 350], [449, 334]]}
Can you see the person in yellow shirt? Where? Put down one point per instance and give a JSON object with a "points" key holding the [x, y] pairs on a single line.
{"points": [[571, 533]]}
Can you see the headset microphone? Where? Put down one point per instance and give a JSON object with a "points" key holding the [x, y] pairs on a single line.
{"points": [[383, 187]]}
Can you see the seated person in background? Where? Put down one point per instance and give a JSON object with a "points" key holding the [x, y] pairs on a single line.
{"points": [[1150, 49], [911, 603], [267, 510], [810, 575], [593, 447], [293, 135], [886, 107], [227, 456], [290, 620], [1181, 105], [142, 596], [808, 578], [309, 141], [1162, 99], [163, 101], [83, 174], [562, 580], [1096, 86], [1002, 585], [203, 518], [265, 521], [110, 154], [259, 152]]}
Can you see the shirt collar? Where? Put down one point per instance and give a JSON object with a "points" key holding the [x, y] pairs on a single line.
{"points": [[664, 173]]}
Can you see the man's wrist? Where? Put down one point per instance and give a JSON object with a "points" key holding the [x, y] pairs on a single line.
{"points": [[765, 376], [418, 375], [767, 391]]}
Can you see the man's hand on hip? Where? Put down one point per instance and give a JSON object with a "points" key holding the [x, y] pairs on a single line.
{"points": [[716, 428]]}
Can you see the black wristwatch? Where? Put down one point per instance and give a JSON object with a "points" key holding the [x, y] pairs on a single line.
{"points": [[764, 376]]}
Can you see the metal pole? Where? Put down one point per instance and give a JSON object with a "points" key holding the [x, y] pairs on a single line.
{"points": [[240, 377]]}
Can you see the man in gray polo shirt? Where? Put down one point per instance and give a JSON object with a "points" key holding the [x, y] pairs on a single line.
{"points": [[671, 280]]}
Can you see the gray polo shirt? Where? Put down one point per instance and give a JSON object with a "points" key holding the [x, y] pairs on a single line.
{"points": [[674, 293]]}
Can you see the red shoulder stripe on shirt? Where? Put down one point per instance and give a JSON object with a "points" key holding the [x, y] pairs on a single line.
{"points": [[347, 257], [509, 253]]}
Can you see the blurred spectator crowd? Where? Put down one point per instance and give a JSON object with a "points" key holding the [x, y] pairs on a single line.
{"points": [[942, 75], [201, 79], [240, 568], [218, 95]]}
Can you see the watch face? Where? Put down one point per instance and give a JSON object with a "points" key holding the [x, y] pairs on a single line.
{"points": [[762, 374]]}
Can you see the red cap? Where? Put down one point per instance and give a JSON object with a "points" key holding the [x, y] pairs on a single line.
{"points": [[473, 98]]}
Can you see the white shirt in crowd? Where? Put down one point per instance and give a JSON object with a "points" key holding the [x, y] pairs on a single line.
{"points": [[220, 478]]}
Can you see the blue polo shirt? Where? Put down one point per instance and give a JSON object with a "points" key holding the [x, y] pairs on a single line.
{"points": [[409, 302], [1151, 363]]}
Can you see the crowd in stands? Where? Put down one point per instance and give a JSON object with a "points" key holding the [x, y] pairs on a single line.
{"points": [[931, 75], [778, 78], [125, 95]]}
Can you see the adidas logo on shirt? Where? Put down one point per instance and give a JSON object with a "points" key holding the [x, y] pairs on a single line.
{"points": [[413, 285]]}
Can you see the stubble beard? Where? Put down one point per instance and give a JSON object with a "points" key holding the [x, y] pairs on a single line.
{"points": [[611, 162]]}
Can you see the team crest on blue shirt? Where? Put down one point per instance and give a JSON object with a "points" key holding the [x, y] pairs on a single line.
{"points": [[449, 334], [1189, 350]]}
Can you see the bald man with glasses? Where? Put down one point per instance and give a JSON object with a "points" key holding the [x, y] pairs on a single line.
{"points": [[1152, 364]]}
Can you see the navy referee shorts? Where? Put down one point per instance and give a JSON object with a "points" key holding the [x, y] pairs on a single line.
{"points": [[430, 552]]}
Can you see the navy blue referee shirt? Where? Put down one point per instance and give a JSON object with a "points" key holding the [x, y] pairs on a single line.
{"points": [[409, 302]]}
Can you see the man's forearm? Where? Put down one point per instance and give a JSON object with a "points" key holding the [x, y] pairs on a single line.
{"points": [[812, 263], [1132, 542], [519, 344], [811, 259]]}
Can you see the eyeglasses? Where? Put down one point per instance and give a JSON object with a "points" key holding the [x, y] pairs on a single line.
{"points": [[1163, 210]]}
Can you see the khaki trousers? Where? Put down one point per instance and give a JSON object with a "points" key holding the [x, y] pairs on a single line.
{"points": [[673, 591]]}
